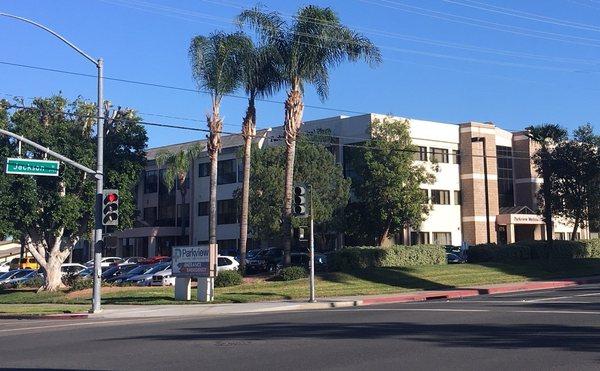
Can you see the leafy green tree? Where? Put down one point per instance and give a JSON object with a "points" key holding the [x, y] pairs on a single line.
{"points": [[260, 78], [308, 47], [215, 64], [315, 165], [387, 186], [546, 136], [576, 178], [51, 214], [178, 165]]}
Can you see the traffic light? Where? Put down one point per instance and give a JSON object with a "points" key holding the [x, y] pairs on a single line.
{"points": [[299, 206], [110, 208]]}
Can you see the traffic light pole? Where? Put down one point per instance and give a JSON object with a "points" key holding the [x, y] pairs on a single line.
{"points": [[312, 248]]}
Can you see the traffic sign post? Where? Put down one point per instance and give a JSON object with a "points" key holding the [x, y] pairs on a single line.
{"points": [[26, 166]]}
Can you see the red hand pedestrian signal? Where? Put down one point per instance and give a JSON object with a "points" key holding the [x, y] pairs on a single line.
{"points": [[110, 210]]}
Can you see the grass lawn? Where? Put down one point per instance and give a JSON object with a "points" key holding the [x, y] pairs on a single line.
{"points": [[40, 309], [364, 282]]}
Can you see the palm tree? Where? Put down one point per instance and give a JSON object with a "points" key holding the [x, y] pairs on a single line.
{"points": [[177, 170], [260, 78], [546, 136], [215, 67], [308, 47]]}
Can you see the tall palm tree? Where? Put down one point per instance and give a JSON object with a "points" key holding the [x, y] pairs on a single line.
{"points": [[177, 166], [260, 78], [308, 47], [546, 136], [215, 67]]}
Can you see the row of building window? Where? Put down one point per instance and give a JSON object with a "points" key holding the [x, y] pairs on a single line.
{"points": [[227, 211], [437, 155], [437, 238], [152, 178], [164, 216], [228, 171], [441, 197]]}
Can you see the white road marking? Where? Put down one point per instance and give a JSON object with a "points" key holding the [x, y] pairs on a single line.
{"points": [[81, 324], [546, 299], [466, 310], [510, 302], [592, 294]]}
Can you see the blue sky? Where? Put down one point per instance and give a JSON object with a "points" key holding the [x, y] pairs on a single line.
{"points": [[514, 63]]}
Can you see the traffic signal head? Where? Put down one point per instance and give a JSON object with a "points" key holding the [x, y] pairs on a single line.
{"points": [[299, 204], [110, 208]]}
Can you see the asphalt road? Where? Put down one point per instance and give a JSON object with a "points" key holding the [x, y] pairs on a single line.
{"points": [[547, 330]]}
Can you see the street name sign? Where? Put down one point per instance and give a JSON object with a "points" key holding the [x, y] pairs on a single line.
{"points": [[26, 166], [194, 261]]}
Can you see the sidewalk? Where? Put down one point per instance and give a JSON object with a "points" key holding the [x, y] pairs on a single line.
{"points": [[183, 310]]}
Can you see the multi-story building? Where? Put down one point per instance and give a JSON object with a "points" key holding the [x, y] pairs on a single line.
{"points": [[485, 188]]}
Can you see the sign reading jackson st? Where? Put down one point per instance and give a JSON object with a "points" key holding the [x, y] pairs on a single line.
{"points": [[27, 166], [193, 261]]}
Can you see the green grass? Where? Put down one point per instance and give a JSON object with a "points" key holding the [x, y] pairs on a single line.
{"points": [[364, 282]]}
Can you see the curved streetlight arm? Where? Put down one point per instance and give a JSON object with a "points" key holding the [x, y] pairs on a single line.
{"points": [[53, 33]]}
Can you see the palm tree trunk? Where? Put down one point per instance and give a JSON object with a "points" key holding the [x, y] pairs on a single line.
{"points": [[213, 147], [248, 131], [293, 121], [548, 206]]}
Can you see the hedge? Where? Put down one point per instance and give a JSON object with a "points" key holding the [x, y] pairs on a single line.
{"points": [[351, 258], [532, 250], [228, 278], [292, 273]]}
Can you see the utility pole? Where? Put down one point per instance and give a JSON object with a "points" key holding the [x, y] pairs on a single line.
{"points": [[99, 173], [312, 247]]}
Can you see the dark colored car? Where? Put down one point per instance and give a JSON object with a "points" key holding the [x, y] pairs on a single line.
{"points": [[133, 272], [118, 270], [265, 260], [302, 259], [454, 258]]}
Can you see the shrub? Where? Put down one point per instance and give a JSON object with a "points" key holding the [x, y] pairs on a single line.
{"points": [[78, 283], [352, 258], [35, 282], [532, 250], [292, 273], [228, 278]]}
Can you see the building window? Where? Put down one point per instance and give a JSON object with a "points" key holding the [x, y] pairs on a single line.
{"points": [[506, 196], [227, 247], [183, 215], [166, 202], [203, 208], [150, 182], [226, 212], [419, 238], [457, 198], [203, 242], [442, 238], [425, 195], [150, 216], [227, 172], [203, 169], [421, 154], [240, 170], [439, 155], [456, 155], [439, 197]]}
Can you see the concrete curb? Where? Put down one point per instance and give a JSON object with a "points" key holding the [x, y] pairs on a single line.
{"points": [[59, 316]]}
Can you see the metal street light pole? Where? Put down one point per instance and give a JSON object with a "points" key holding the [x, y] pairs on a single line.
{"points": [[99, 160]]}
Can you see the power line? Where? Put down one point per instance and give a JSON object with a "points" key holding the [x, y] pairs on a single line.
{"points": [[476, 22], [308, 135]]}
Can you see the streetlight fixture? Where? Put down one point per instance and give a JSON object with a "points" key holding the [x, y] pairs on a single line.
{"points": [[485, 179], [99, 63]]}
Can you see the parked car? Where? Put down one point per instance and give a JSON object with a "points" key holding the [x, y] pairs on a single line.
{"points": [[165, 278], [134, 259], [105, 262], [302, 259], [145, 279], [265, 260], [89, 272], [71, 269], [157, 259], [20, 276], [25, 263], [7, 275], [118, 270], [4, 266], [453, 258], [140, 269]]}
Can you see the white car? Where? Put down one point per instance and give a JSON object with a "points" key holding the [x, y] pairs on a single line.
{"points": [[165, 278], [4, 266], [71, 269], [105, 262]]}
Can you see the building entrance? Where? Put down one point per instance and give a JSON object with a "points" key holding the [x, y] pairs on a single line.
{"points": [[524, 232]]}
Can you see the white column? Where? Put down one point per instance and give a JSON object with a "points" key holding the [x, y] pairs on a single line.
{"points": [[206, 289], [183, 288]]}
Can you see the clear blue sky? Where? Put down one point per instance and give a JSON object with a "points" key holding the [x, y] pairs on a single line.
{"points": [[514, 63]]}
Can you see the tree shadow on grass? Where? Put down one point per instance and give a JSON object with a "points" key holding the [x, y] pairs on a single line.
{"points": [[245, 297], [392, 276]]}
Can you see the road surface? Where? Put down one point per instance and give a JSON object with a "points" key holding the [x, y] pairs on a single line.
{"points": [[546, 330]]}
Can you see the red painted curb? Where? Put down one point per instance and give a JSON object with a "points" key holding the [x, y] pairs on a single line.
{"points": [[470, 292]]}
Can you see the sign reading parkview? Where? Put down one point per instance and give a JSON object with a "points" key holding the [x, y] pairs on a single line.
{"points": [[194, 261], [26, 166]]}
